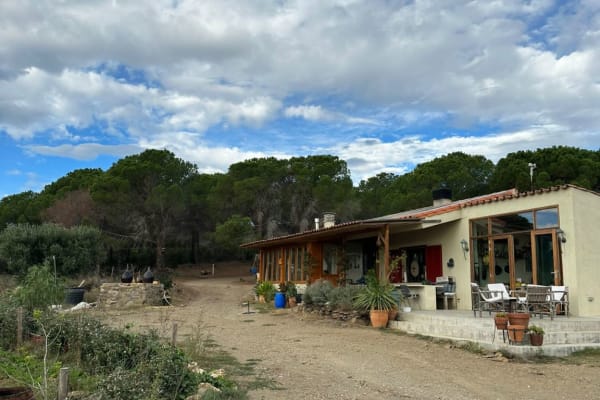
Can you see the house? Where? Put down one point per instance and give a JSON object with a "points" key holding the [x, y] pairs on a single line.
{"points": [[547, 236]]}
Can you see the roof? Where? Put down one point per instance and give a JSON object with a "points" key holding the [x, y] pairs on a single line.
{"points": [[417, 216]]}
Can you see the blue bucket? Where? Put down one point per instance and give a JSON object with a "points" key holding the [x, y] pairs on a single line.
{"points": [[279, 300]]}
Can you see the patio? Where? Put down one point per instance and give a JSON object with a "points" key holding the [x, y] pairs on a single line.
{"points": [[564, 335]]}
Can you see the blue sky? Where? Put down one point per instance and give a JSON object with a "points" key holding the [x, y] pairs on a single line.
{"points": [[383, 84]]}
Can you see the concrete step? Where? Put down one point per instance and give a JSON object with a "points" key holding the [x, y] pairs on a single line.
{"points": [[563, 335]]}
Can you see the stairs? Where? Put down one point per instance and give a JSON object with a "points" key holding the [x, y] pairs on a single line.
{"points": [[563, 335]]}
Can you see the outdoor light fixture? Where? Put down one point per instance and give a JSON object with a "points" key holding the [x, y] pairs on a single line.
{"points": [[561, 235], [464, 245]]}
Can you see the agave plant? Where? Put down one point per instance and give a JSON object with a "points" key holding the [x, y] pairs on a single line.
{"points": [[376, 295]]}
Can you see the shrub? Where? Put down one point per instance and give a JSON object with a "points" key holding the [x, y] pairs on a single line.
{"points": [[40, 288], [342, 298], [318, 293]]}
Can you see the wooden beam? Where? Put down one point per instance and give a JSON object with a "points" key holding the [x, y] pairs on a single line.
{"points": [[386, 251]]}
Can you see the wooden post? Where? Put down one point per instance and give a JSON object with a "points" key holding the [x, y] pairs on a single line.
{"points": [[63, 383], [386, 252], [213, 270], [19, 326], [174, 334]]}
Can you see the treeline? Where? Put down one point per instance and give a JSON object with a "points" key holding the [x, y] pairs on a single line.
{"points": [[156, 209]]}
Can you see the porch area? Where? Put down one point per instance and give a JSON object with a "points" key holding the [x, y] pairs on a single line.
{"points": [[563, 335]]}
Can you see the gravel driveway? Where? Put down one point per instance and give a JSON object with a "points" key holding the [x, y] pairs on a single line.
{"points": [[314, 358]]}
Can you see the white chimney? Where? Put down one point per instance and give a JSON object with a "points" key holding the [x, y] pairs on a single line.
{"points": [[328, 219], [316, 223]]}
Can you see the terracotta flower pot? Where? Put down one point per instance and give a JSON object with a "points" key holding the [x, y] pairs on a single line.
{"points": [[501, 322], [379, 318], [536, 339], [518, 319], [516, 333], [392, 314]]}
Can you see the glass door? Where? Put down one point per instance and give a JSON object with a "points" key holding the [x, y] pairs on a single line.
{"points": [[547, 262], [502, 262]]}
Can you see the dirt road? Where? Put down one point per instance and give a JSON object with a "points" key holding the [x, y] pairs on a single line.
{"points": [[313, 358]]}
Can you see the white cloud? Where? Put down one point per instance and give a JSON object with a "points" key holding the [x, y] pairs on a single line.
{"points": [[526, 68]]}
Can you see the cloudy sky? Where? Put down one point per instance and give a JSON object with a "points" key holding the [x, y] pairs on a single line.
{"points": [[383, 84]]}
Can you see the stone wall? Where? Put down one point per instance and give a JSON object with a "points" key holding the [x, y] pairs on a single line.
{"points": [[124, 295]]}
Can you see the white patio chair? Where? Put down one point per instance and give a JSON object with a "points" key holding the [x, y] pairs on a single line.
{"points": [[482, 300], [499, 293], [560, 298]]}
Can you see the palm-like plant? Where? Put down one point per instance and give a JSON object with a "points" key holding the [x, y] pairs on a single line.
{"points": [[375, 295]]}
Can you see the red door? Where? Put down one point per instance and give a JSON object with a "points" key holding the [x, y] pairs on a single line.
{"points": [[433, 262]]}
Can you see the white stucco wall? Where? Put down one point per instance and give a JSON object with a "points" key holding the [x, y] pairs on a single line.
{"points": [[579, 217]]}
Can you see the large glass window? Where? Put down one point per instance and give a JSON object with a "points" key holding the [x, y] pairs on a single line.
{"points": [[480, 227]]}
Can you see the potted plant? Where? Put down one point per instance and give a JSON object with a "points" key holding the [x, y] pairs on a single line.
{"points": [[518, 319], [291, 292], [265, 291], [536, 335], [376, 297], [501, 320]]}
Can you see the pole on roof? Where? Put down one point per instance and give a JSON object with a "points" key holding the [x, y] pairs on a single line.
{"points": [[532, 166]]}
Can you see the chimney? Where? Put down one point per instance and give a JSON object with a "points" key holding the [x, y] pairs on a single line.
{"points": [[441, 197], [328, 219], [316, 224]]}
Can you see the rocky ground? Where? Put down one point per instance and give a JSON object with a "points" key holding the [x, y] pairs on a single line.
{"points": [[309, 357]]}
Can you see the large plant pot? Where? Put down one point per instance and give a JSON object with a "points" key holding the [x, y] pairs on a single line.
{"points": [[379, 318], [392, 314], [521, 319], [516, 333], [536, 339], [74, 295], [501, 322], [16, 393]]}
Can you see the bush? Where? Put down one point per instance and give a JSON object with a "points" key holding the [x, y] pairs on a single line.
{"points": [[40, 288], [318, 293], [342, 298]]}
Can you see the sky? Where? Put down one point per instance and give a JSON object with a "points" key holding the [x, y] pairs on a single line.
{"points": [[382, 84]]}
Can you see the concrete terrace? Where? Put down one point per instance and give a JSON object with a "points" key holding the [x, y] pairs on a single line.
{"points": [[563, 335]]}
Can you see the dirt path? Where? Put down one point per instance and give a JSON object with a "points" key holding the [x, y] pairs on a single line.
{"points": [[313, 358]]}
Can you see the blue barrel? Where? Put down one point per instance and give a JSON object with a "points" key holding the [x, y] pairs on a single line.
{"points": [[279, 300]]}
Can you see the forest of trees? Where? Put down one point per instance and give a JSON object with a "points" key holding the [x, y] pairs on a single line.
{"points": [[156, 209]]}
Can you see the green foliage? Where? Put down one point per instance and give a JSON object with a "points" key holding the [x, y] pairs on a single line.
{"points": [[77, 249], [536, 329], [318, 293], [267, 289], [290, 289], [342, 297], [554, 166], [40, 288], [376, 295], [233, 232]]}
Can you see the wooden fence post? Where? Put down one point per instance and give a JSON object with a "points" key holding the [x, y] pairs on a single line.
{"points": [[19, 326], [63, 383], [174, 335]]}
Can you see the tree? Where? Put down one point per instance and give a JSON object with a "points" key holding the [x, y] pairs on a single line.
{"points": [[143, 196], [232, 233], [554, 166]]}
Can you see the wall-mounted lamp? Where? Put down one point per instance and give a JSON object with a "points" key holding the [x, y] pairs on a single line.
{"points": [[450, 263], [465, 247], [561, 235]]}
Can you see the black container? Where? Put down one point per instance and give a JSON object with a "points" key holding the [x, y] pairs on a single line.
{"points": [[148, 276], [74, 295], [16, 393], [127, 276]]}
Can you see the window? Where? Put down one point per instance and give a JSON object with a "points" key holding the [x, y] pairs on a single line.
{"points": [[329, 259], [547, 218]]}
